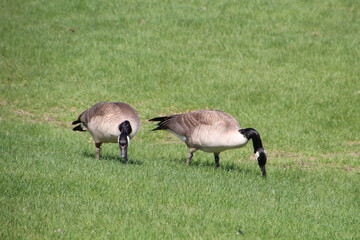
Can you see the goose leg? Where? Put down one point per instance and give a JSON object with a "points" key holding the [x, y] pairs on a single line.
{"points": [[190, 155], [217, 160], [98, 150]]}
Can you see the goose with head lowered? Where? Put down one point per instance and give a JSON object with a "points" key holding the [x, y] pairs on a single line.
{"points": [[212, 131], [109, 122]]}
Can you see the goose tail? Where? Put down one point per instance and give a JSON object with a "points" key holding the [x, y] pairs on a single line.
{"points": [[160, 124]]}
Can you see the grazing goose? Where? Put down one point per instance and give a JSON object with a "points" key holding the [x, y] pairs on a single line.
{"points": [[110, 122], [211, 131]]}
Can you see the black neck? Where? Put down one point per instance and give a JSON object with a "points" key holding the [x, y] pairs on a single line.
{"points": [[252, 134]]}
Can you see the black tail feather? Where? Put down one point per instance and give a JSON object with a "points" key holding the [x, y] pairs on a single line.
{"points": [[79, 128], [76, 122], [159, 128], [160, 120]]}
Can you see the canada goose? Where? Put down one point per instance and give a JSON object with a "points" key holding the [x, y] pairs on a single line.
{"points": [[211, 131], [110, 122]]}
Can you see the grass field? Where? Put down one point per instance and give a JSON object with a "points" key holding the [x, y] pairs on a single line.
{"points": [[289, 69]]}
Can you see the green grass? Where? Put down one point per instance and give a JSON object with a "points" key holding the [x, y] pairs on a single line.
{"points": [[289, 69]]}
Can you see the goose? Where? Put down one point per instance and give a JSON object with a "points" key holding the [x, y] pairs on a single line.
{"points": [[109, 122], [211, 131]]}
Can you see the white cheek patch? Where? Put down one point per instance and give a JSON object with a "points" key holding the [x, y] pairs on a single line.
{"points": [[128, 139], [257, 154]]}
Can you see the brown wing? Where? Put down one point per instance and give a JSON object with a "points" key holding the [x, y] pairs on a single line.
{"points": [[185, 124], [104, 108], [126, 110]]}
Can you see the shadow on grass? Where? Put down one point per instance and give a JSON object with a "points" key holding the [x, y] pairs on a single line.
{"points": [[112, 158], [229, 167]]}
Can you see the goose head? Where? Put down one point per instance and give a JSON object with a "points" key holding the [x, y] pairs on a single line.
{"points": [[124, 139], [260, 156]]}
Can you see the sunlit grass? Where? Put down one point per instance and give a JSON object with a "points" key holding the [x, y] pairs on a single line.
{"points": [[286, 68]]}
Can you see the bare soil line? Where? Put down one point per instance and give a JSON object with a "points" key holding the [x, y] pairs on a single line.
{"points": [[308, 163], [22, 113]]}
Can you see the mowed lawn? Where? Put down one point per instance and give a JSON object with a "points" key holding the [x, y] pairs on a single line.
{"points": [[289, 69]]}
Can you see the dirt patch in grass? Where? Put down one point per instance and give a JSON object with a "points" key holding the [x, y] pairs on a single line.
{"points": [[57, 122], [22, 113], [309, 166], [312, 162], [346, 168], [280, 154], [51, 116]]}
